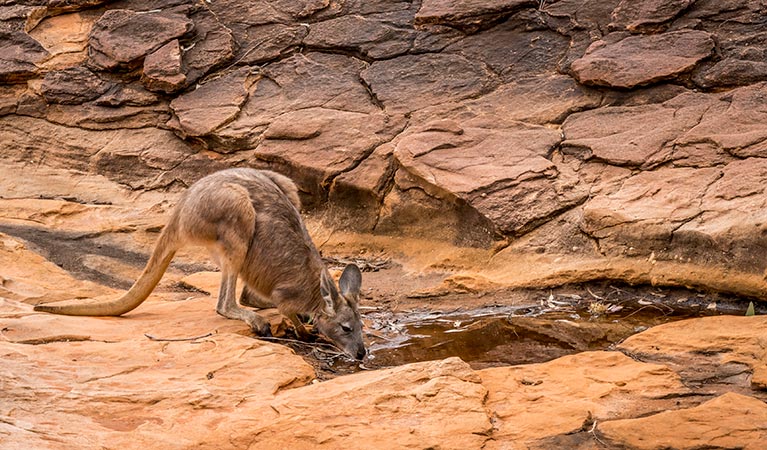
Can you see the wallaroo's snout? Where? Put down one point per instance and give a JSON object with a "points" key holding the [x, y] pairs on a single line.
{"points": [[340, 320]]}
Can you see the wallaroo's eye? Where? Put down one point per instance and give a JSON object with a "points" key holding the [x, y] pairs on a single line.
{"points": [[346, 328]]}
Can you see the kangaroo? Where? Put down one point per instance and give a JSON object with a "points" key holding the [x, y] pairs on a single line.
{"points": [[249, 220]]}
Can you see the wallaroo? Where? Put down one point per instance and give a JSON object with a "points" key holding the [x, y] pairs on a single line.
{"points": [[249, 219]]}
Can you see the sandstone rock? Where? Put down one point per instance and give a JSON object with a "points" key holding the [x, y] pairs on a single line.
{"points": [[541, 100], [9, 97], [685, 346], [641, 217], [263, 30], [29, 277], [582, 15], [210, 47], [731, 124], [529, 49], [732, 219], [269, 42], [300, 82], [122, 38], [315, 145], [412, 82], [436, 404], [633, 136], [732, 71], [98, 116], [20, 56], [65, 37], [642, 16], [467, 15], [374, 38], [152, 155], [212, 105], [360, 191], [629, 61], [162, 69], [197, 377], [507, 169], [686, 129], [132, 94], [72, 86], [531, 402], [728, 421]]}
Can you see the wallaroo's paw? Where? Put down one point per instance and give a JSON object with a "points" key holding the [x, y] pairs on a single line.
{"points": [[262, 331]]}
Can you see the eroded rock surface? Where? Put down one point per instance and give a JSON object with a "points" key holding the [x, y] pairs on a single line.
{"points": [[578, 139], [596, 115]]}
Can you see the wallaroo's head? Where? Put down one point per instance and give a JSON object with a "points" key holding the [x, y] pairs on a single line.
{"points": [[340, 320]]}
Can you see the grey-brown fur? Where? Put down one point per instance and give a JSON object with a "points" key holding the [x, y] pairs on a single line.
{"points": [[249, 219]]}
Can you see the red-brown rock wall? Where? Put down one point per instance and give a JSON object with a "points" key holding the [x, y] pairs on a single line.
{"points": [[638, 123]]}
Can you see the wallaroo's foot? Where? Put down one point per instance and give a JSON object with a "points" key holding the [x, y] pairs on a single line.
{"points": [[262, 330]]}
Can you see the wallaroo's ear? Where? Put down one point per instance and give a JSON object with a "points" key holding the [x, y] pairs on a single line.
{"points": [[351, 282], [328, 292]]}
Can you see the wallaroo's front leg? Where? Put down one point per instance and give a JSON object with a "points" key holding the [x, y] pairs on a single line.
{"points": [[250, 298], [228, 307]]}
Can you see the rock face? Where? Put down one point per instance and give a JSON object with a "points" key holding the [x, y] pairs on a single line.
{"points": [[172, 374], [638, 124], [560, 141]]}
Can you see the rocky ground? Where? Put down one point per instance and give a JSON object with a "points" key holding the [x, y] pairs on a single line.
{"points": [[477, 146]]}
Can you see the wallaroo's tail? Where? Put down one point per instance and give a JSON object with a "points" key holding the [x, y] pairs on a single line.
{"points": [[163, 253]]}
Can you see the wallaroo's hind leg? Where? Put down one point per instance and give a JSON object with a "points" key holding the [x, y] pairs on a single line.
{"points": [[227, 306], [232, 221]]}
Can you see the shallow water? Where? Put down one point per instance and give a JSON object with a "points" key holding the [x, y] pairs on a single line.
{"points": [[502, 335]]}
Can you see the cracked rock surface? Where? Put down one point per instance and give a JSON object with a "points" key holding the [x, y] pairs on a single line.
{"points": [[563, 141], [475, 123]]}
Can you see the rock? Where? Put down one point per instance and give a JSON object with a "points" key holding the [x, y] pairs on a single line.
{"points": [[73, 86], [629, 61], [9, 97], [146, 158], [210, 47], [20, 56], [738, 361], [201, 375], [648, 15], [212, 105], [529, 49], [162, 69], [127, 95], [431, 404], [467, 15], [122, 38], [728, 421], [262, 30], [641, 217], [730, 125], [315, 145], [507, 169], [686, 129], [732, 72], [374, 38], [411, 82], [582, 15], [733, 206], [30, 277], [638, 136], [535, 401], [541, 100], [65, 37], [300, 82], [359, 192]]}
